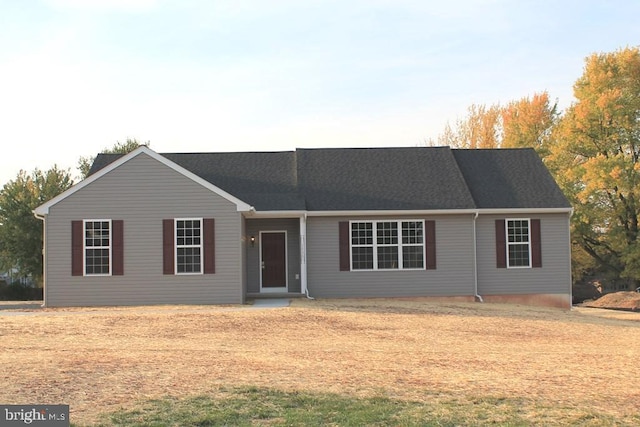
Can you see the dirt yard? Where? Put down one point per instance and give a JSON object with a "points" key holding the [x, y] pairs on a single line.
{"points": [[618, 301], [100, 360]]}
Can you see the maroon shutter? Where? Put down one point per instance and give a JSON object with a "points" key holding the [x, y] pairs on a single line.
{"points": [[501, 244], [536, 244], [167, 246], [430, 240], [209, 239], [77, 231], [345, 258], [117, 247]]}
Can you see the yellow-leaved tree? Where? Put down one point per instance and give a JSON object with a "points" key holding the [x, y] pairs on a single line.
{"points": [[523, 123], [596, 160], [528, 122]]}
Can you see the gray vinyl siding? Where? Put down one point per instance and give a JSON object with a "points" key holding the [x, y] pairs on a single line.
{"points": [[553, 278], [453, 276], [142, 192], [253, 228]]}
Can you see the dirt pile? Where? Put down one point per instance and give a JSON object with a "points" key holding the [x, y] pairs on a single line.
{"points": [[617, 300]]}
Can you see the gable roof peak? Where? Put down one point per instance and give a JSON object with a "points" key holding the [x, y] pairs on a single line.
{"points": [[122, 159]]}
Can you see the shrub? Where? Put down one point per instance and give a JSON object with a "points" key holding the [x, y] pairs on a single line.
{"points": [[17, 291]]}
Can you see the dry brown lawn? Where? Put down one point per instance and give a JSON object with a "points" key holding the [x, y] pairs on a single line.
{"points": [[100, 360]]}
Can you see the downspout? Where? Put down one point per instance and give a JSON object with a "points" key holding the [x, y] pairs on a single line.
{"points": [[570, 266], [475, 260], [44, 257], [303, 255]]}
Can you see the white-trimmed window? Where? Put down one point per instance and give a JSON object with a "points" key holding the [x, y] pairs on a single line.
{"points": [[387, 245], [362, 245], [518, 243], [97, 247], [413, 240], [188, 245]]}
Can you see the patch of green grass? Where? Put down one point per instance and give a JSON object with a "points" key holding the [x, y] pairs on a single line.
{"points": [[251, 406]]}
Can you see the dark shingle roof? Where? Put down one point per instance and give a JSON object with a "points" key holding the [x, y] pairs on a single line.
{"points": [[509, 178], [419, 178], [381, 179], [101, 161]]}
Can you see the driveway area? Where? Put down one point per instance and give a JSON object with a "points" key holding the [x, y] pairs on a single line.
{"points": [[20, 305]]}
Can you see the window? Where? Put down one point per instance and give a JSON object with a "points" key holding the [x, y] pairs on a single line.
{"points": [[362, 245], [387, 240], [412, 244], [387, 245], [188, 246], [97, 247], [518, 243]]}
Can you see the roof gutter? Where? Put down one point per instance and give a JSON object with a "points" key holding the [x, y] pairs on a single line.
{"points": [[466, 211], [500, 211], [391, 212]]}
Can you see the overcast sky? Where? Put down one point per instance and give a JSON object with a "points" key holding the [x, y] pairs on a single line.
{"points": [[78, 75]]}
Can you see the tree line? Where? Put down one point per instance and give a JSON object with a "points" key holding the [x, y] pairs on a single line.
{"points": [[20, 231], [592, 149]]}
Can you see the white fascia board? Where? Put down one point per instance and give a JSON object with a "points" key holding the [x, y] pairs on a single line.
{"points": [[44, 208]]}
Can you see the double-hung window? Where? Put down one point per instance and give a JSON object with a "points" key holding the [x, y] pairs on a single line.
{"points": [[97, 247], [362, 245], [518, 243], [387, 245], [188, 246], [413, 244]]}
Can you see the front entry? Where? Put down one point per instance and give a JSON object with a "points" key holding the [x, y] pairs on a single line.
{"points": [[273, 255]]}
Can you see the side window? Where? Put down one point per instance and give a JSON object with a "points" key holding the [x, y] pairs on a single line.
{"points": [[518, 243], [188, 246], [97, 247]]}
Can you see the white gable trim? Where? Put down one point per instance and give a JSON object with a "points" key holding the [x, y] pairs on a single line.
{"points": [[44, 208]]}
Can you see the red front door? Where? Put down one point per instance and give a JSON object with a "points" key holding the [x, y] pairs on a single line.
{"points": [[274, 264]]}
